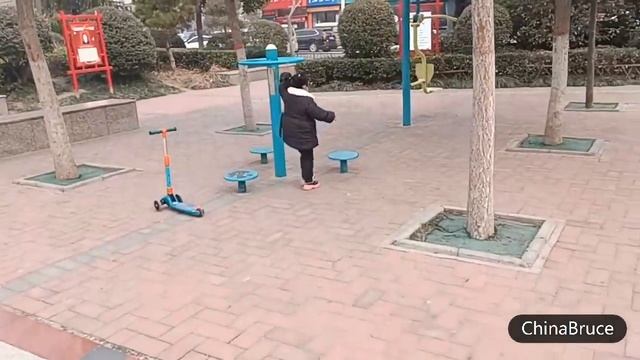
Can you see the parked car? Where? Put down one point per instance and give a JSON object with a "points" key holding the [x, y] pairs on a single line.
{"points": [[314, 40], [187, 35], [192, 43]]}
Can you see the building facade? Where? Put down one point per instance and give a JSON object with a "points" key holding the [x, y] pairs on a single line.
{"points": [[278, 10], [324, 12]]}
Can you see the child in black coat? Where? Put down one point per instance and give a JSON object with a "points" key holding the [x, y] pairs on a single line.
{"points": [[298, 124]]}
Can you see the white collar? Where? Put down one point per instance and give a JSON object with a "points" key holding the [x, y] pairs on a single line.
{"points": [[299, 92]]}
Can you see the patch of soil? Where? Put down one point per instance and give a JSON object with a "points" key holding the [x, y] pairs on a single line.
{"points": [[23, 97], [193, 80]]}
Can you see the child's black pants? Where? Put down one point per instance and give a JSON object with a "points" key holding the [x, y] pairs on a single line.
{"points": [[306, 164]]}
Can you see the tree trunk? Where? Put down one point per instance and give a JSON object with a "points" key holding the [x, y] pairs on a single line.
{"points": [[199, 23], [591, 53], [238, 45], [293, 41], [480, 222], [560, 72], [63, 162], [172, 59]]}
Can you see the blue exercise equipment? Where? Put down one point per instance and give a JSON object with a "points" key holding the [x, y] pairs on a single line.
{"points": [[241, 177], [343, 156], [172, 200], [263, 151], [273, 62]]}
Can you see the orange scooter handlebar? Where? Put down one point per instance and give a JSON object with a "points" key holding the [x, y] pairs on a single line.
{"points": [[156, 132]]}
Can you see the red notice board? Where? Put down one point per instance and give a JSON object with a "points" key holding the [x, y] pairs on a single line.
{"points": [[86, 48]]}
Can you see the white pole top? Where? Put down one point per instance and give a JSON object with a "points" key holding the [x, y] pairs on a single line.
{"points": [[271, 47]]}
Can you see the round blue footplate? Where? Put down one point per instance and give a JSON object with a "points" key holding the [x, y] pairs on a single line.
{"points": [[241, 175], [261, 150], [343, 155]]}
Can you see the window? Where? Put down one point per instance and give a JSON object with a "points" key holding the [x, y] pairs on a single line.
{"points": [[324, 17], [305, 32]]}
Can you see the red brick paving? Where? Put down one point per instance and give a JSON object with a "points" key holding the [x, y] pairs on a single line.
{"points": [[282, 274], [41, 339]]}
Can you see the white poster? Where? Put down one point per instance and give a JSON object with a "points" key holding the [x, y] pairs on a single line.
{"points": [[88, 55], [424, 33]]}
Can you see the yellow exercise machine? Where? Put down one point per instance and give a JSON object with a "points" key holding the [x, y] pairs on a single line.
{"points": [[424, 70]]}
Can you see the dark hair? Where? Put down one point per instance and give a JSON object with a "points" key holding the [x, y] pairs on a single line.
{"points": [[285, 79], [299, 80]]}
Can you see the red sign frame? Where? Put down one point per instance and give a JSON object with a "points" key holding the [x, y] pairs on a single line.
{"points": [[434, 8], [86, 48]]}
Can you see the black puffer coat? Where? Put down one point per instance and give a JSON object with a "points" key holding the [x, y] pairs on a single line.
{"points": [[299, 118]]}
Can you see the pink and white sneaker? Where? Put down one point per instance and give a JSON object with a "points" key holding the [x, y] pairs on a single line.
{"points": [[311, 186]]}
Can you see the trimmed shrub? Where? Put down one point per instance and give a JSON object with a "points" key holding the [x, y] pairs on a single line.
{"points": [[13, 59], [262, 33], [160, 38], [367, 29], [196, 59], [220, 41], [130, 46], [513, 69], [463, 37]]}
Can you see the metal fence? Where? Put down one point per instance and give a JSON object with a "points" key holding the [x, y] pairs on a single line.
{"points": [[320, 55]]}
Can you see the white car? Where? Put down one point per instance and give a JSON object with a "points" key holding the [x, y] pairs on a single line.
{"points": [[193, 42]]}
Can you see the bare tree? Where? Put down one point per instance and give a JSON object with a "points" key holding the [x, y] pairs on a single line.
{"points": [[293, 41], [199, 7], [481, 221], [591, 53], [238, 45], [63, 162], [560, 72]]}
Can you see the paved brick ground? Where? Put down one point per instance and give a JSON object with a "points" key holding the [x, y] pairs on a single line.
{"points": [[284, 274]]}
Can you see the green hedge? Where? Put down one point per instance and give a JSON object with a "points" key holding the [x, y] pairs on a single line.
{"points": [[513, 69], [197, 59], [202, 59]]}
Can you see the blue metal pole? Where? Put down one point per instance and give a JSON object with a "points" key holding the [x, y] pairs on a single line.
{"points": [[279, 162], [406, 64]]}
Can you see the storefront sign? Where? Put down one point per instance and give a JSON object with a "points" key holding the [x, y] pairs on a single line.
{"points": [[317, 3]]}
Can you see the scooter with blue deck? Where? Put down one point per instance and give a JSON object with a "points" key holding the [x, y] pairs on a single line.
{"points": [[172, 200]]}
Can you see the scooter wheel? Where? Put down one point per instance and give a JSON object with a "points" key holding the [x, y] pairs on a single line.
{"points": [[201, 211], [178, 198], [156, 205]]}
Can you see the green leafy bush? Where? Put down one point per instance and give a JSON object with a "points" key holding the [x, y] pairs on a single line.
{"points": [[196, 59], [533, 23], [161, 37], [513, 69], [57, 61], [131, 48], [263, 32], [367, 29], [621, 20], [13, 59], [462, 40]]}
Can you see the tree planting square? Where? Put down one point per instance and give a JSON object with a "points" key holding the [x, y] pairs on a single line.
{"points": [[261, 129], [88, 173], [580, 106], [520, 241], [569, 145]]}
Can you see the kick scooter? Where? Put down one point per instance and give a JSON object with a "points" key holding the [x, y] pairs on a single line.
{"points": [[172, 200]]}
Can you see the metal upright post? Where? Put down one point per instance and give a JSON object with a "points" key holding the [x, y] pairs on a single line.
{"points": [[406, 64], [273, 75]]}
